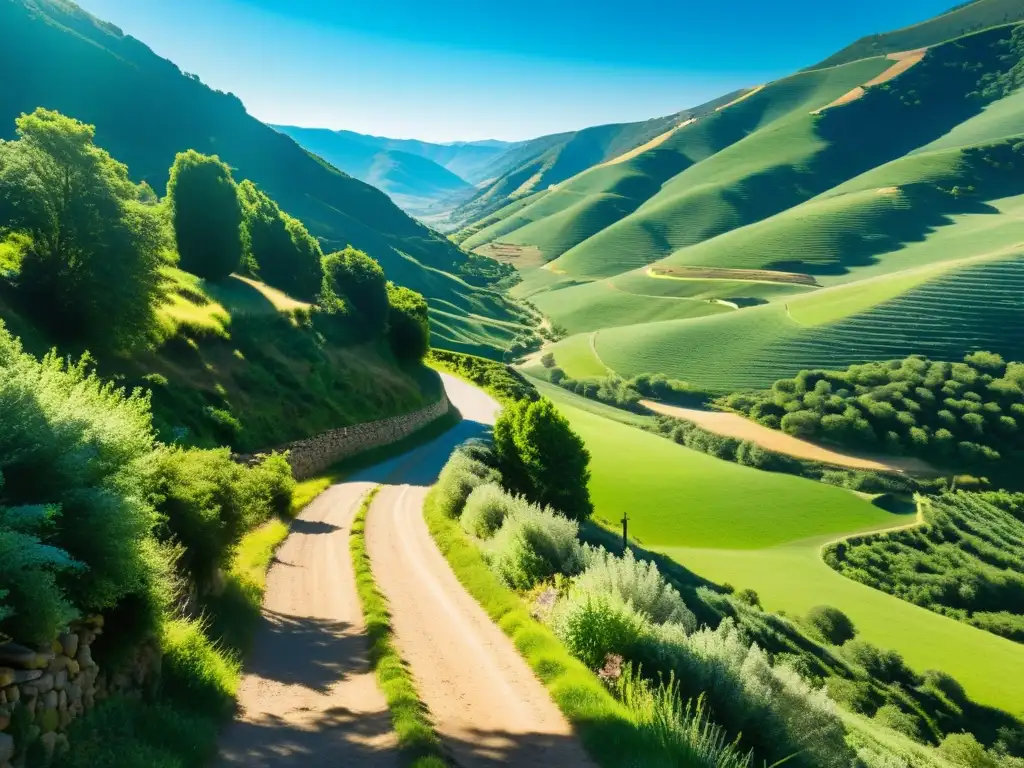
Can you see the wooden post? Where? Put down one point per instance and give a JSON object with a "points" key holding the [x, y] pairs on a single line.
{"points": [[625, 531]]}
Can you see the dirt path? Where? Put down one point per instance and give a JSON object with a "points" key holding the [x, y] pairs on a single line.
{"points": [[488, 706], [308, 697], [734, 425]]}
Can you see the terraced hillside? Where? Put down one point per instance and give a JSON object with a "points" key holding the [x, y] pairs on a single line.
{"points": [[146, 110], [813, 223]]}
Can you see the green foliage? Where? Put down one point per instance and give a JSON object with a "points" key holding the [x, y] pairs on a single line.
{"points": [[486, 509], [637, 583], [459, 477], [627, 393], [207, 215], [354, 282], [830, 624], [533, 544], [207, 502], [125, 733], [611, 734], [499, 380], [686, 733], [965, 561], [594, 626], [542, 458], [196, 671], [408, 323], [75, 460], [957, 413], [285, 255], [90, 251]]}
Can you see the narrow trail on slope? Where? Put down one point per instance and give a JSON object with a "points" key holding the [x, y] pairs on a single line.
{"points": [[488, 707], [309, 697]]}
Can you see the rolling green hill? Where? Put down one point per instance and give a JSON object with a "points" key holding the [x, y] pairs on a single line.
{"points": [[415, 183], [540, 163], [146, 110], [855, 212], [965, 18]]}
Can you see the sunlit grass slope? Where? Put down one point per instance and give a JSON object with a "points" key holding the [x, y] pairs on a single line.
{"points": [[724, 505], [752, 529], [960, 309], [716, 172]]}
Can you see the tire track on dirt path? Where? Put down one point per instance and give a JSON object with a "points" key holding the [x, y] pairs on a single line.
{"points": [[487, 705], [308, 696]]}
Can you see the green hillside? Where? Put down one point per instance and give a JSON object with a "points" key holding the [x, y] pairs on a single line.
{"points": [[540, 163], [965, 18], [146, 110], [415, 183]]}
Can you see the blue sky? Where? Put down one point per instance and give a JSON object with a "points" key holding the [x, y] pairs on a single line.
{"points": [[464, 69]]}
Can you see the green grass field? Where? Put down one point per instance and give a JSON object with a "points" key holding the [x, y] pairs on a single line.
{"points": [[961, 310], [575, 355], [731, 524]]}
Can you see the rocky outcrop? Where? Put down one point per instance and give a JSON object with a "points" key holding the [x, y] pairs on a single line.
{"points": [[42, 691], [307, 457]]}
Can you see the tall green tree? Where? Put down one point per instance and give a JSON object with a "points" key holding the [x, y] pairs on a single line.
{"points": [[408, 324], [353, 280], [90, 267], [207, 215], [542, 458], [282, 251]]}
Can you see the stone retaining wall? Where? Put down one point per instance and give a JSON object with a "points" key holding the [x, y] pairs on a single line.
{"points": [[307, 457], [43, 692]]}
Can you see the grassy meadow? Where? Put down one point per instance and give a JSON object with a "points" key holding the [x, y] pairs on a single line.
{"points": [[763, 531]]}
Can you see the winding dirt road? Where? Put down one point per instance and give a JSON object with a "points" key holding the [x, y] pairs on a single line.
{"points": [[308, 697]]}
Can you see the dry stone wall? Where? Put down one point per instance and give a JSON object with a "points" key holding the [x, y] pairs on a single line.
{"points": [[43, 691], [307, 457]]}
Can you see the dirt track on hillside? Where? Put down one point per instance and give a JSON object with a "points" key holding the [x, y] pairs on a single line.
{"points": [[734, 425], [309, 698]]}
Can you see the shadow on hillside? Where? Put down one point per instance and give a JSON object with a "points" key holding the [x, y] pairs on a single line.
{"points": [[240, 298]]}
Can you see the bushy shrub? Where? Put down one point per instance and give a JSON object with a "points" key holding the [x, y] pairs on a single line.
{"points": [[594, 625], [408, 323], [891, 716], [87, 252], [74, 456], [207, 501], [887, 666], [457, 480], [353, 281], [486, 509], [685, 734], [854, 695], [963, 749], [637, 583], [830, 624], [207, 215], [534, 544], [541, 457]]}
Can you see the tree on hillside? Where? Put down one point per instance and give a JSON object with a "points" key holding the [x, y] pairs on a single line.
{"points": [[408, 324], [353, 279], [90, 262], [207, 215], [542, 458], [285, 255]]}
